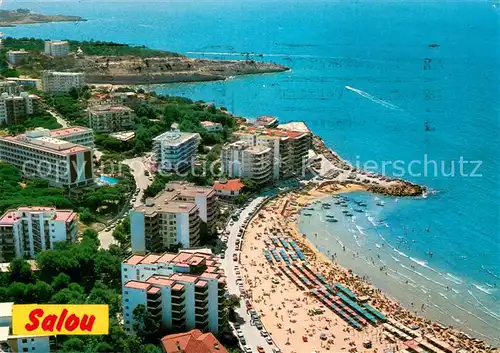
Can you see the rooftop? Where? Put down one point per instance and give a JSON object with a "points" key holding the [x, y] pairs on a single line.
{"points": [[275, 132], [193, 341], [109, 108], [265, 120], [185, 189], [165, 202], [68, 131], [176, 137], [207, 123], [46, 144], [229, 185], [188, 257], [137, 285]]}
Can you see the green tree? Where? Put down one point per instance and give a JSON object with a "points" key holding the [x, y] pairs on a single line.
{"points": [[61, 281], [145, 325], [20, 271], [73, 344]]}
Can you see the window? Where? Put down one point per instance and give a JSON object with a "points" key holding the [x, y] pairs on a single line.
{"points": [[126, 300], [126, 292], [25, 340], [25, 349], [127, 322], [127, 314]]}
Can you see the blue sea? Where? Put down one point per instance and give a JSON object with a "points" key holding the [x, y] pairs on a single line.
{"points": [[368, 77]]}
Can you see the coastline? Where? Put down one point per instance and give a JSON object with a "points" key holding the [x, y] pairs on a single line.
{"points": [[286, 208]]}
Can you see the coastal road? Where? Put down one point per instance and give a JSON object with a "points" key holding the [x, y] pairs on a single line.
{"points": [[251, 333], [142, 182], [59, 118]]}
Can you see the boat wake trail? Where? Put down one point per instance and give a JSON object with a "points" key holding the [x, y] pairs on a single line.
{"points": [[373, 99]]}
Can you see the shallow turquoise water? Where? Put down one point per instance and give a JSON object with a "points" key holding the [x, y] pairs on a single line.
{"points": [[381, 51]]}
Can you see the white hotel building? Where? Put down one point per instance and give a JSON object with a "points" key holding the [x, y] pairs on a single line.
{"points": [[175, 150], [75, 134], [26, 231], [56, 47], [61, 82], [37, 154], [182, 291], [161, 223], [241, 159]]}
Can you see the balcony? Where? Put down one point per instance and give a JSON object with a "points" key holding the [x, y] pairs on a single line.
{"points": [[201, 303], [201, 290], [179, 310], [178, 323], [178, 294], [155, 312]]}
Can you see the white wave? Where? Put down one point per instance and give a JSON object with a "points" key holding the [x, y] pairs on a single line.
{"points": [[443, 295], [395, 259], [484, 289], [378, 245], [453, 279], [372, 221], [373, 99], [424, 276], [400, 252], [485, 309], [423, 264]]}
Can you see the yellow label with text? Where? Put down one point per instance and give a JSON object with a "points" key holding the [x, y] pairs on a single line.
{"points": [[55, 319]]}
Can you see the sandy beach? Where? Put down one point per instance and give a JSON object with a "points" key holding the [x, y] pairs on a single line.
{"points": [[299, 322]]}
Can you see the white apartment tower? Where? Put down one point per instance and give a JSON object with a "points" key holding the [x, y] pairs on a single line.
{"points": [[56, 47], [182, 291], [175, 150], [15, 108], [111, 118], [162, 222], [26, 231], [62, 82], [289, 149], [241, 159]]}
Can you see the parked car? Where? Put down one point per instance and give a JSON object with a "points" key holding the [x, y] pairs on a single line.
{"points": [[235, 257], [269, 340], [260, 349]]}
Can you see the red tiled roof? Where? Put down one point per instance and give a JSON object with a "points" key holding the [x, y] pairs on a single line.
{"points": [[230, 185], [192, 342]]}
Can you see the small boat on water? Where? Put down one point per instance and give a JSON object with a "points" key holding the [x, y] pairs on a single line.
{"points": [[349, 214], [361, 203], [345, 211], [307, 214], [343, 205], [327, 206], [330, 216], [327, 203], [339, 202], [331, 220], [359, 210], [380, 203]]}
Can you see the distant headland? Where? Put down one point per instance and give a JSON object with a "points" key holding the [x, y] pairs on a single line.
{"points": [[122, 64], [10, 18]]}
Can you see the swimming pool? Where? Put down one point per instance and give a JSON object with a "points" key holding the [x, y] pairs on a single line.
{"points": [[108, 180]]}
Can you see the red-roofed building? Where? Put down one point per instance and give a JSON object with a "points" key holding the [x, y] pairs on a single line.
{"points": [[229, 188], [26, 231], [180, 290], [193, 341]]}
